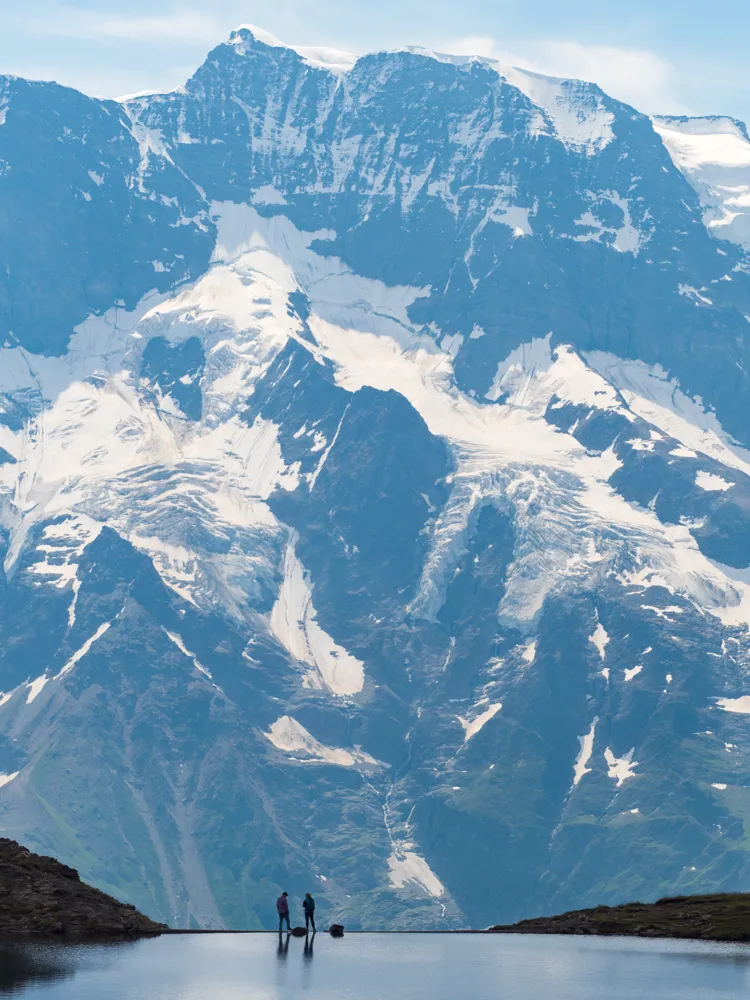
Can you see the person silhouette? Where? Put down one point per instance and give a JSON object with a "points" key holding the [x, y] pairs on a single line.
{"points": [[282, 907], [308, 905]]}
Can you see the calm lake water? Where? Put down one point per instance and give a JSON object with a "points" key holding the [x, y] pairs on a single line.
{"points": [[376, 967]]}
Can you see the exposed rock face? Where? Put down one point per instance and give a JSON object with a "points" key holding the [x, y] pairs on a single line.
{"points": [[374, 492], [719, 917], [39, 895]]}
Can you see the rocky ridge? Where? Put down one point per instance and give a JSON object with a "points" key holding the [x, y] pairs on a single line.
{"points": [[43, 896], [716, 917]]}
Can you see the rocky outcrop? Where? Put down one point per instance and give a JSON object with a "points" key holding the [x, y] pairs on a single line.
{"points": [[718, 917], [39, 895]]}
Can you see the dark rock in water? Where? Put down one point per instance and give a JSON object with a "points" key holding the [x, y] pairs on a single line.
{"points": [[336, 930], [718, 917], [39, 895], [298, 932]]}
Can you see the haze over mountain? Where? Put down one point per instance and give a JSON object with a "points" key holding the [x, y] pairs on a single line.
{"points": [[374, 488]]}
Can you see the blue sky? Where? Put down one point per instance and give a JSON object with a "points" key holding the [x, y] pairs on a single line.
{"points": [[661, 55]]}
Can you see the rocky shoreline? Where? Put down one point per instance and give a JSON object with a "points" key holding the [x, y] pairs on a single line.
{"points": [[717, 917], [41, 896]]}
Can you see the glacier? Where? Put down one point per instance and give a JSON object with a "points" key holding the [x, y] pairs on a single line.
{"points": [[374, 481]]}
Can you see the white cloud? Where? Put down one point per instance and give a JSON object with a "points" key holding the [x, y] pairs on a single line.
{"points": [[472, 45], [177, 26], [636, 76]]}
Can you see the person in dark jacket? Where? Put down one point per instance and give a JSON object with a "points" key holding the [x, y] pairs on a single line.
{"points": [[282, 905], [308, 905]]}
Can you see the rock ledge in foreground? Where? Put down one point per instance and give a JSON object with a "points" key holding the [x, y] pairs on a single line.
{"points": [[39, 895], [719, 917]]}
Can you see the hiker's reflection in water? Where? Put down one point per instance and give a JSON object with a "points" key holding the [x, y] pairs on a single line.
{"points": [[308, 952], [283, 948]]}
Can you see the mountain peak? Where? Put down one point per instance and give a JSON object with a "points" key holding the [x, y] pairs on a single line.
{"points": [[323, 57], [374, 465], [243, 33]]}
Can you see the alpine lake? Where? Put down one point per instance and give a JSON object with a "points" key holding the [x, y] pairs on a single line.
{"points": [[259, 966]]}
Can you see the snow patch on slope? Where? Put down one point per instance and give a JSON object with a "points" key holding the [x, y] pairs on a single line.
{"points": [[714, 156], [584, 755], [99, 345], [173, 637], [620, 768], [288, 735], [148, 472], [600, 639], [408, 868], [529, 652], [535, 376], [80, 653], [711, 483], [625, 238], [340, 295], [575, 110], [740, 705], [472, 726], [294, 622], [34, 688], [61, 545], [651, 394]]}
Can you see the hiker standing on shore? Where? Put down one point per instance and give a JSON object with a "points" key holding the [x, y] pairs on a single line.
{"points": [[308, 905], [282, 905]]}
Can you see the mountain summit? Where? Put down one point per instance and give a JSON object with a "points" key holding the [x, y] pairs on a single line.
{"points": [[374, 488]]}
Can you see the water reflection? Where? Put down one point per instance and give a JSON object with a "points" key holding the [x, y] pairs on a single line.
{"points": [[307, 954], [372, 966], [21, 964], [730, 951], [283, 948]]}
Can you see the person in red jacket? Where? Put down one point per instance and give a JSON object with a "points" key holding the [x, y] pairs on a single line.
{"points": [[282, 905]]}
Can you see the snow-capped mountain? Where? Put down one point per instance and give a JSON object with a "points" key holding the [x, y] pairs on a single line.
{"points": [[374, 489]]}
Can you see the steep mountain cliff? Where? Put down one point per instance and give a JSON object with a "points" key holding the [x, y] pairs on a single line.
{"points": [[374, 477]]}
